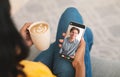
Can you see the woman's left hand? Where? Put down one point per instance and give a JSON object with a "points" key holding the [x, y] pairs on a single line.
{"points": [[79, 55]]}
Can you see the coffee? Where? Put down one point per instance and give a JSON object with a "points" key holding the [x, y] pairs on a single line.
{"points": [[39, 28], [40, 35]]}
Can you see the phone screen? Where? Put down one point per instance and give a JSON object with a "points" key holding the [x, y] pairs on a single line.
{"points": [[71, 42]]}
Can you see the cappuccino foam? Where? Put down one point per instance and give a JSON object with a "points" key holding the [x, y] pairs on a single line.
{"points": [[39, 28]]}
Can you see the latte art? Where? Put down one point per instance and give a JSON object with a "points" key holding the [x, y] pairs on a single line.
{"points": [[39, 28], [40, 35]]}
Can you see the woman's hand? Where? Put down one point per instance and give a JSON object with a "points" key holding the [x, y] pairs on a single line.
{"points": [[78, 62], [79, 55], [25, 34]]}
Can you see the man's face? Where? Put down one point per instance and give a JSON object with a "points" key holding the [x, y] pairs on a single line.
{"points": [[73, 34]]}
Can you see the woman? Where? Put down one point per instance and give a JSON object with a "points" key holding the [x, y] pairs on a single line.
{"points": [[13, 50]]}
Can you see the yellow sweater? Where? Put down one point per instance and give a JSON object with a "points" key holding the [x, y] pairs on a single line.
{"points": [[36, 69]]}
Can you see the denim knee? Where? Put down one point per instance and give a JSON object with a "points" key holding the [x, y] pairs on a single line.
{"points": [[88, 36], [70, 14]]}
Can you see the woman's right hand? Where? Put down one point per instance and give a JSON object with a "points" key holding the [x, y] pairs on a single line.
{"points": [[25, 34]]}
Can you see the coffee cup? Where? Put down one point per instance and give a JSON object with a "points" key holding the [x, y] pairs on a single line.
{"points": [[40, 35]]}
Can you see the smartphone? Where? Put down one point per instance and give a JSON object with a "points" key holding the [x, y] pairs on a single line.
{"points": [[71, 42]]}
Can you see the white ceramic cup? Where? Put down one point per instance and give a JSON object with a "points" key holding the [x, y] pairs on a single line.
{"points": [[40, 35]]}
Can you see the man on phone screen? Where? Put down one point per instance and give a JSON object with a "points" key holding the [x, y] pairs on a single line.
{"points": [[70, 43]]}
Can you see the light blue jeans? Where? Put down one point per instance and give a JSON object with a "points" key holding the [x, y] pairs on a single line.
{"points": [[59, 66]]}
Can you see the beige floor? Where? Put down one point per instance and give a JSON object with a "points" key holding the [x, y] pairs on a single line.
{"points": [[102, 16], [17, 4]]}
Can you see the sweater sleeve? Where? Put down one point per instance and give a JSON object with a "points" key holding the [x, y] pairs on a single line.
{"points": [[36, 69]]}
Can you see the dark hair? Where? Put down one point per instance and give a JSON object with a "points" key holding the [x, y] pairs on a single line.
{"points": [[74, 28], [10, 42]]}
